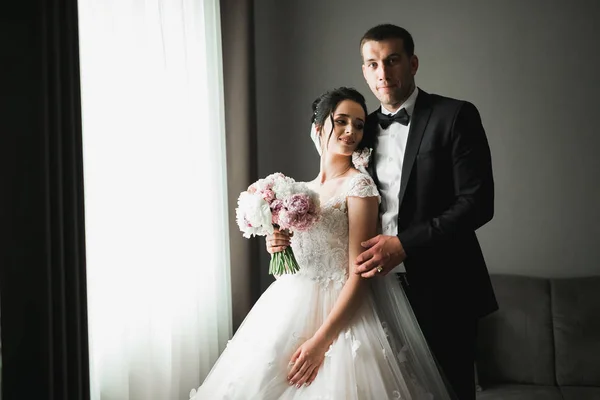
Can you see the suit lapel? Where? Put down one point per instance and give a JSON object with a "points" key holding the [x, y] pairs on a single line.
{"points": [[420, 118]]}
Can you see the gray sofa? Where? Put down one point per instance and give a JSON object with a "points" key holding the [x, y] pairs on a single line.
{"points": [[544, 342]]}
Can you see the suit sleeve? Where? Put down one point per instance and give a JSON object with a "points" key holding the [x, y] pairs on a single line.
{"points": [[473, 204]]}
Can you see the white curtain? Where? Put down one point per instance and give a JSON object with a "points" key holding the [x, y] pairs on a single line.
{"points": [[155, 195]]}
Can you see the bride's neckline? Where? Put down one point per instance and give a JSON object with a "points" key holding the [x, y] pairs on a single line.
{"points": [[339, 195]]}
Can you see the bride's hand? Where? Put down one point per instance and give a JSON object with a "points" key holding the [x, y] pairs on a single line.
{"points": [[306, 362], [278, 241]]}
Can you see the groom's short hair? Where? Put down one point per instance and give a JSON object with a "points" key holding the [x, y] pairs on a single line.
{"points": [[388, 31]]}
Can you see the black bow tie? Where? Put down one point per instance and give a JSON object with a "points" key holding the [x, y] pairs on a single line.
{"points": [[386, 120]]}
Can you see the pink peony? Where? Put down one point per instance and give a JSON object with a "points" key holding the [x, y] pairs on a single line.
{"points": [[298, 213], [298, 203], [305, 223], [287, 219], [276, 207]]}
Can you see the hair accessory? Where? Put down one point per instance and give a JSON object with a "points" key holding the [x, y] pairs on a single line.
{"points": [[361, 159]]}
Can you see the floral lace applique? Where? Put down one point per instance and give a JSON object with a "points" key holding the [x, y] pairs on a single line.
{"points": [[354, 342], [362, 185]]}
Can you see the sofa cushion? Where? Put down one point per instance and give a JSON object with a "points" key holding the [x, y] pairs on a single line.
{"points": [[520, 392], [515, 344], [580, 393], [576, 314]]}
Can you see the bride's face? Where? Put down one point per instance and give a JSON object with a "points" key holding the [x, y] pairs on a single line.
{"points": [[348, 126]]}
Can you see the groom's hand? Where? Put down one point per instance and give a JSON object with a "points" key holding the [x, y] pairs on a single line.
{"points": [[382, 251], [278, 241]]}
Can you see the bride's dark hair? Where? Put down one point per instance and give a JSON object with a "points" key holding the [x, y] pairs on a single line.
{"points": [[324, 106]]}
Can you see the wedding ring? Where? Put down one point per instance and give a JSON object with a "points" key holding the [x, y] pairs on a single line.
{"points": [[379, 269]]}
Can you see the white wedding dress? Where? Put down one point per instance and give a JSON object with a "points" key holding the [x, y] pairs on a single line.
{"points": [[374, 358]]}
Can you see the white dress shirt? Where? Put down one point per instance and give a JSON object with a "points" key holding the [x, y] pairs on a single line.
{"points": [[389, 158]]}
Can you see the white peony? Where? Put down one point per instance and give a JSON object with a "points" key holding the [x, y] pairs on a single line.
{"points": [[253, 215], [262, 184], [283, 189], [283, 186]]}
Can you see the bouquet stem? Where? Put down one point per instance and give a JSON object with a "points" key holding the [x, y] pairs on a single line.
{"points": [[283, 262]]}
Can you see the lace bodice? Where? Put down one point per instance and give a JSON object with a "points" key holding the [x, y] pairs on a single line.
{"points": [[322, 252]]}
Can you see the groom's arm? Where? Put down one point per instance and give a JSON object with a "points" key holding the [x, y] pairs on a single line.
{"points": [[473, 205]]}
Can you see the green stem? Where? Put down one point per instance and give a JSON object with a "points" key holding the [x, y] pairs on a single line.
{"points": [[283, 262]]}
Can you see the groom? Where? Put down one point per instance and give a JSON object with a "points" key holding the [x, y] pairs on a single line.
{"points": [[432, 165]]}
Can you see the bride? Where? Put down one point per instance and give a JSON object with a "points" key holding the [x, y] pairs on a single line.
{"points": [[326, 332]]}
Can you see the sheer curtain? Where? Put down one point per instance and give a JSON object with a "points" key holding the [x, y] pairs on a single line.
{"points": [[155, 195]]}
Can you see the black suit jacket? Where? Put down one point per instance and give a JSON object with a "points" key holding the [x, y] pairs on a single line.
{"points": [[446, 194]]}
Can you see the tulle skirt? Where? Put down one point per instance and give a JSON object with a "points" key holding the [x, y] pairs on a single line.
{"points": [[364, 362]]}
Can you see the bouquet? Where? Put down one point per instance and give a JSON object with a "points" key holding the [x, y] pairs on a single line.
{"points": [[277, 201]]}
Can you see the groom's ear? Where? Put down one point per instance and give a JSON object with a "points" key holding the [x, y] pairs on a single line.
{"points": [[414, 64]]}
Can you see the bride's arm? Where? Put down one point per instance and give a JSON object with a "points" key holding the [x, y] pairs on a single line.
{"points": [[362, 221]]}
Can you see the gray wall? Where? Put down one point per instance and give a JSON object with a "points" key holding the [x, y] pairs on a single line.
{"points": [[530, 67]]}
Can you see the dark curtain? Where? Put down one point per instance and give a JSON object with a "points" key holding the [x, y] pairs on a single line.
{"points": [[237, 26], [43, 280]]}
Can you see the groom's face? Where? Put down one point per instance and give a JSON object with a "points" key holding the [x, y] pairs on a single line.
{"points": [[389, 71]]}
